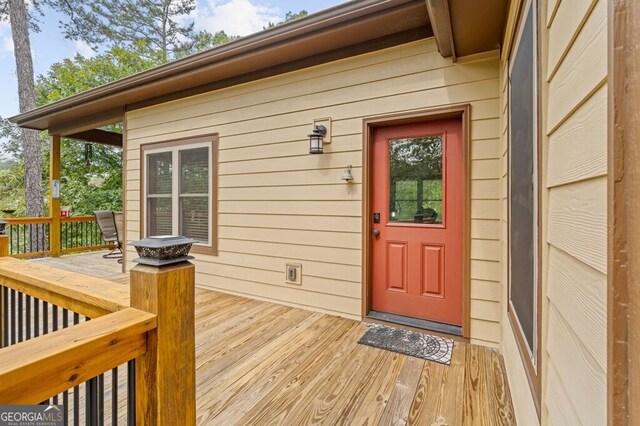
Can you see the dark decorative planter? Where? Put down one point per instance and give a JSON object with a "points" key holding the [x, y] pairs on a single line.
{"points": [[163, 250]]}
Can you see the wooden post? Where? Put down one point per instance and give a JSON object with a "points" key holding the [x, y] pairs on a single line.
{"points": [[54, 203], [166, 374], [4, 251], [4, 245], [623, 272]]}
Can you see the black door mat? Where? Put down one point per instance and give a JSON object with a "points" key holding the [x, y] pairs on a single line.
{"points": [[412, 343]]}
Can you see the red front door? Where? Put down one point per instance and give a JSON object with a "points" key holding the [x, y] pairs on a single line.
{"points": [[417, 220]]}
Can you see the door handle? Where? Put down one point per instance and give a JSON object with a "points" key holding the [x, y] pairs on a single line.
{"points": [[375, 232]]}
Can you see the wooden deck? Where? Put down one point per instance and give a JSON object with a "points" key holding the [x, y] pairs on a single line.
{"points": [[262, 363]]}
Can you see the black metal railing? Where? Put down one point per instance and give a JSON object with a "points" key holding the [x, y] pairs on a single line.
{"points": [[80, 233], [108, 398], [29, 237]]}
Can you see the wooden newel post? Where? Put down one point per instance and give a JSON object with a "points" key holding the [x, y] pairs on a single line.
{"points": [[4, 245], [166, 375]]}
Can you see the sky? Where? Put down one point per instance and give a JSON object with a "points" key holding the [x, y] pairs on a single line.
{"points": [[235, 17]]}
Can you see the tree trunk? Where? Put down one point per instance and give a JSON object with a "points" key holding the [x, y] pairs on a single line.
{"points": [[30, 138], [26, 93]]}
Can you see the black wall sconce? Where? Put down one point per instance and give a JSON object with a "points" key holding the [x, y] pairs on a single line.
{"points": [[315, 139]]}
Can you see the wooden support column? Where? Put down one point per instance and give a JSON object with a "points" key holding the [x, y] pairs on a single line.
{"points": [[4, 251], [54, 203], [624, 215], [4, 245], [166, 374]]}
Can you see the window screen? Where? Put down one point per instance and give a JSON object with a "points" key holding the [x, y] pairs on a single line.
{"points": [[523, 187], [159, 182], [180, 197], [194, 194]]}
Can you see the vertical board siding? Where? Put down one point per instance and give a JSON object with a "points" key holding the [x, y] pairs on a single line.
{"points": [[278, 204]]}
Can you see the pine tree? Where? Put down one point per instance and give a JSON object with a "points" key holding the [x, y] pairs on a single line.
{"points": [[155, 24], [31, 144]]}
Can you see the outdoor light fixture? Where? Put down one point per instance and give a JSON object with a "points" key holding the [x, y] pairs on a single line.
{"points": [[3, 224], [163, 250], [346, 175], [315, 139]]}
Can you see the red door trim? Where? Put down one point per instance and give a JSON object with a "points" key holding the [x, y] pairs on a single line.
{"points": [[464, 112]]}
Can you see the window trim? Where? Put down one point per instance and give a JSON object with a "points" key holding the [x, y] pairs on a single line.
{"points": [[532, 361], [210, 140]]}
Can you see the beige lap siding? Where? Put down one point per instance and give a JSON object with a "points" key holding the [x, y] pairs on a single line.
{"points": [[576, 126], [279, 204], [574, 167]]}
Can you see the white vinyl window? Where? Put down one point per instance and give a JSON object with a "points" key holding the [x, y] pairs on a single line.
{"points": [[179, 193]]}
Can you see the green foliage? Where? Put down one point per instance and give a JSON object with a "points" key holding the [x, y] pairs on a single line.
{"points": [[76, 75], [408, 201], [10, 137], [6, 163], [12, 176], [78, 189], [12, 189], [290, 16], [155, 24], [203, 40]]}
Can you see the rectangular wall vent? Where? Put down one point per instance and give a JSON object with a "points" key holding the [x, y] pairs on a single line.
{"points": [[293, 273]]}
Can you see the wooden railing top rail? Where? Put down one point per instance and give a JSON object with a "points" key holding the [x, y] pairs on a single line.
{"points": [[33, 370], [40, 220], [78, 219], [89, 296], [26, 220]]}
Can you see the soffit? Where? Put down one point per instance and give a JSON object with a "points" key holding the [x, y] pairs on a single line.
{"points": [[477, 26]]}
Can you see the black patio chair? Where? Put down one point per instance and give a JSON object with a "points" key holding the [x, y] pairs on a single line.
{"points": [[107, 224]]}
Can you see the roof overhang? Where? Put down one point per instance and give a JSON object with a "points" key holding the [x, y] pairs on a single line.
{"points": [[348, 29], [466, 27]]}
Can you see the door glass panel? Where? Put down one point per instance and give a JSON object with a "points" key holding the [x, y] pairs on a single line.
{"points": [[415, 180]]}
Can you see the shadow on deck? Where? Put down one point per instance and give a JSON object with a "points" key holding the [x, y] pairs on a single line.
{"points": [[262, 363]]}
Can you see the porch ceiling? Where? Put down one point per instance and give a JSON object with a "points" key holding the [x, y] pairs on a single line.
{"points": [[348, 29], [477, 25], [98, 136]]}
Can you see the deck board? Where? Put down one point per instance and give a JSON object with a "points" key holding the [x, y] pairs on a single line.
{"points": [[261, 363]]}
